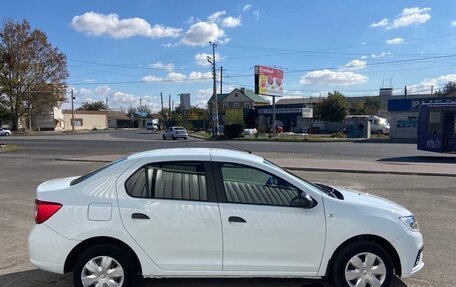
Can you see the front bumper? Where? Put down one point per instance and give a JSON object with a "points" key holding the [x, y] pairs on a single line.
{"points": [[48, 250], [410, 250]]}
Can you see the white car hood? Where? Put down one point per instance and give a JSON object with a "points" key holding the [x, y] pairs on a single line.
{"points": [[373, 201]]}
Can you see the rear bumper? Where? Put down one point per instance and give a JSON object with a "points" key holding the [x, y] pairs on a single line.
{"points": [[48, 250]]}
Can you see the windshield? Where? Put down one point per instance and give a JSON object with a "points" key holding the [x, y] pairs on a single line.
{"points": [[297, 176], [94, 172]]}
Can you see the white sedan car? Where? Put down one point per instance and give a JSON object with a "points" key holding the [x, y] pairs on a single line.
{"points": [[5, 132], [175, 133], [216, 213]]}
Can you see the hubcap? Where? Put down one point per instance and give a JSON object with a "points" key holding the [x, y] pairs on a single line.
{"points": [[365, 270], [102, 271]]}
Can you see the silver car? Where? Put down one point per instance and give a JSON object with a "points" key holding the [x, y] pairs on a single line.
{"points": [[5, 132], [175, 133]]}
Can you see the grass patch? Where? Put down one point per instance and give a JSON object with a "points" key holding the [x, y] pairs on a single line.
{"points": [[9, 147]]}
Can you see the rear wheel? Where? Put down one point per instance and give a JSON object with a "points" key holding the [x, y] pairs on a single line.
{"points": [[174, 138], [106, 266], [164, 137], [185, 138], [362, 264]]}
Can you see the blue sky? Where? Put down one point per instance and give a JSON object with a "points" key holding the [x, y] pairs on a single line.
{"points": [[131, 50]]}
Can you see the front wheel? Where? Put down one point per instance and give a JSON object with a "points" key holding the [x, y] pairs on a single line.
{"points": [[164, 137], [7, 134], [363, 264], [104, 265]]}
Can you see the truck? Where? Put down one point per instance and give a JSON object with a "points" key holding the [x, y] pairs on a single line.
{"points": [[152, 124]]}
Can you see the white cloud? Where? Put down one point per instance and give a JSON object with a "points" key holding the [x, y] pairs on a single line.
{"points": [[383, 23], [436, 83], [190, 20], [356, 65], [103, 90], [152, 78], [394, 41], [328, 77], [408, 17], [231, 22], [201, 58], [256, 13], [100, 24], [381, 55], [247, 7], [173, 76], [200, 76], [200, 33], [363, 57], [453, 23], [215, 17], [159, 65], [411, 16], [84, 92]]}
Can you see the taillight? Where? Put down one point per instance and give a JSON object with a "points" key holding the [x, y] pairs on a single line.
{"points": [[44, 210]]}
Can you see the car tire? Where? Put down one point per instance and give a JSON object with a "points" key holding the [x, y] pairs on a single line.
{"points": [[362, 260], [164, 138], [173, 137], [185, 138], [7, 134], [117, 261]]}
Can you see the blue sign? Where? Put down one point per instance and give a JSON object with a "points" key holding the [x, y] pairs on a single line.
{"points": [[399, 105], [408, 105]]}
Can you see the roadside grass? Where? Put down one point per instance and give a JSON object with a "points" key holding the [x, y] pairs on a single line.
{"points": [[295, 138], [9, 147]]}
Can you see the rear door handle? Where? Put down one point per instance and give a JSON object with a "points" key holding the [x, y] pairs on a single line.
{"points": [[139, 216], [236, 219]]}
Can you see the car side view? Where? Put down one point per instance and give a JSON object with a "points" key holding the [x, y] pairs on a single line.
{"points": [[4, 132], [175, 133], [196, 212]]}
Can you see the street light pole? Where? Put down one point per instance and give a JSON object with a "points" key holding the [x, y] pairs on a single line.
{"points": [[214, 87]]}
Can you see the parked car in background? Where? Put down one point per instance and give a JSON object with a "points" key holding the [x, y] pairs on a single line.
{"points": [[4, 132], [175, 133], [197, 212]]}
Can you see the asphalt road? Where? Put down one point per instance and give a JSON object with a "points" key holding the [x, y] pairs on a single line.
{"points": [[431, 199]]}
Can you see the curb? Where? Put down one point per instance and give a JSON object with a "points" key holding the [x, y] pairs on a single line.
{"points": [[308, 169]]}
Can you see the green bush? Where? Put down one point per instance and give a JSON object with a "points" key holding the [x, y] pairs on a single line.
{"points": [[234, 130]]}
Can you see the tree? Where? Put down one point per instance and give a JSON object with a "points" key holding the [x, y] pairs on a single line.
{"points": [[32, 72], [447, 89], [93, 106], [333, 108], [372, 105]]}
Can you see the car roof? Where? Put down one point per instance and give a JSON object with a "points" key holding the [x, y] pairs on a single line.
{"points": [[198, 152]]}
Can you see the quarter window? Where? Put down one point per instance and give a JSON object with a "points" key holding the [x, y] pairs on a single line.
{"points": [[169, 180], [251, 186]]}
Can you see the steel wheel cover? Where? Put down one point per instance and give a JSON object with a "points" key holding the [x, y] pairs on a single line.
{"points": [[365, 270], [102, 271]]}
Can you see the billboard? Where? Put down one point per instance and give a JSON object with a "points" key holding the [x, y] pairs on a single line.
{"points": [[268, 81], [185, 101]]}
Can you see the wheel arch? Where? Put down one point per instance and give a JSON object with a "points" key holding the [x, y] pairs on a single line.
{"points": [[90, 242], [385, 244]]}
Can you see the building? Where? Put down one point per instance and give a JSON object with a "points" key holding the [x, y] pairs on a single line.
{"points": [[48, 119], [403, 112], [237, 99], [118, 119], [86, 120], [292, 114]]}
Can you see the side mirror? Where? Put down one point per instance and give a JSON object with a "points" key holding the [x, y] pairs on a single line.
{"points": [[303, 200]]}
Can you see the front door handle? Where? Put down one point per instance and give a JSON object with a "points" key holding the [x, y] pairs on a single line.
{"points": [[139, 216], [236, 219]]}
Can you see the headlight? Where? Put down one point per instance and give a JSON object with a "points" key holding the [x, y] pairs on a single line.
{"points": [[410, 222]]}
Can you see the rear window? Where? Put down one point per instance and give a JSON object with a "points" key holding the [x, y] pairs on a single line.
{"points": [[179, 129], [94, 172]]}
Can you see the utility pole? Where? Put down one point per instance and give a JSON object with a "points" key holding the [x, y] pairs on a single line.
{"points": [[221, 80], [141, 113], [161, 98], [214, 87], [169, 109], [72, 110]]}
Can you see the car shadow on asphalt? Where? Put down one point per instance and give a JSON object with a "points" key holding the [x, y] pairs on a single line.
{"points": [[39, 278], [421, 159]]}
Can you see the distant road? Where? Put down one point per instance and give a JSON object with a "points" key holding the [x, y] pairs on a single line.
{"points": [[130, 141]]}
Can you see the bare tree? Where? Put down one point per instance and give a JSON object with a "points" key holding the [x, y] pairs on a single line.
{"points": [[32, 72]]}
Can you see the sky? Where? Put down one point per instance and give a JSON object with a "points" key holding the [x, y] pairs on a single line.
{"points": [[131, 51]]}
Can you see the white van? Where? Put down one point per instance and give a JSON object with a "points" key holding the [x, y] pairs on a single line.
{"points": [[378, 125]]}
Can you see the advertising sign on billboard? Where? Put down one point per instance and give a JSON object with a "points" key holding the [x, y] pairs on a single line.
{"points": [[185, 101], [268, 81]]}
